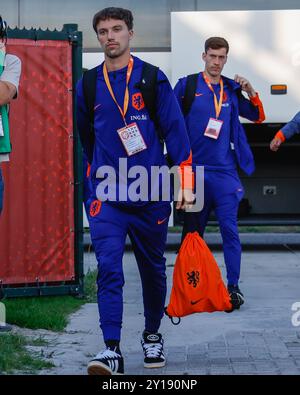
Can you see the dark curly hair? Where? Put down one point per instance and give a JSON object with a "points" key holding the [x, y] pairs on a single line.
{"points": [[113, 13]]}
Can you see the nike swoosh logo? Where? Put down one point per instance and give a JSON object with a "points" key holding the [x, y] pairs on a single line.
{"points": [[159, 222], [198, 94], [97, 106], [195, 302]]}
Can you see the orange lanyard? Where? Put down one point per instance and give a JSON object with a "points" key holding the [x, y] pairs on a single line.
{"points": [[218, 105], [126, 97]]}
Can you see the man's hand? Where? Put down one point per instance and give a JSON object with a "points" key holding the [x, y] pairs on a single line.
{"points": [[245, 85], [7, 92], [275, 144], [185, 199]]}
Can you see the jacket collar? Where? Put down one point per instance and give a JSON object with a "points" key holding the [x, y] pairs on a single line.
{"points": [[231, 83]]}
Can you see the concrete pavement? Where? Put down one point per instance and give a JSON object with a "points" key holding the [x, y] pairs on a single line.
{"points": [[258, 339]]}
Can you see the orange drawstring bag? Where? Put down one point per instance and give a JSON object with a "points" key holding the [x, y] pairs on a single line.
{"points": [[197, 281]]}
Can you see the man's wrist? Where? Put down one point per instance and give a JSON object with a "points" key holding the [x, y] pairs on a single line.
{"points": [[280, 136], [252, 93], [255, 100]]}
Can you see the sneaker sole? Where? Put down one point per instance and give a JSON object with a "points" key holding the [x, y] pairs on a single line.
{"points": [[154, 365], [100, 369], [230, 311], [236, 307]]}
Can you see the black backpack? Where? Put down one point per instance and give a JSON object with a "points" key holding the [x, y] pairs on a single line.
{"points": [[147, 86]]}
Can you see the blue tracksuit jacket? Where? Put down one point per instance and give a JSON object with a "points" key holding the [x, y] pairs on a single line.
{"points": [[108, 148]]}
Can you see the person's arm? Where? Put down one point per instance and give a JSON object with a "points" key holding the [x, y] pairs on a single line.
{"points": [[277, 141], [252, 108], [175, 135], [289, 130], [9, 79], [83, 123]]}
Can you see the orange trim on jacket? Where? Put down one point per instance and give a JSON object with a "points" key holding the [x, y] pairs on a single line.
{"points": [[255, 100], [88, 170], [279, 135], [186, 173]]}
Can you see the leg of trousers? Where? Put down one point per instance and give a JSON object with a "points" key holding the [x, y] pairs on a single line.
{"points": [[108, 232], [196, 222], [148, 234], [226, 210], [147, 227]]}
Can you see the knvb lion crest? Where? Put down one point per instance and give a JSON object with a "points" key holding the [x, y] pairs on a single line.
{"points": [[137, 101], [193, 278], [95, 208]]}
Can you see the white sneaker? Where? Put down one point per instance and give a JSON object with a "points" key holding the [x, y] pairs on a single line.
{"points": [[107, 362]]}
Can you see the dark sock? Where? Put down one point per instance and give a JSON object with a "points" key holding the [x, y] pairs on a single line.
{"points": [[113, 345], [149, 332]]}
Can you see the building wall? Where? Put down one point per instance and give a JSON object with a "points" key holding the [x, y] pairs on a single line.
{"points": [[152, 18]]}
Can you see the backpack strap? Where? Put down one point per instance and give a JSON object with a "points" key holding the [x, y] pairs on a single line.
{"points": [[189, 94], [89, 91], [148, 88]]}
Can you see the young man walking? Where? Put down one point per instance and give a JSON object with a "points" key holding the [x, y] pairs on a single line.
{"points": [[219, 143], [122, 130]]}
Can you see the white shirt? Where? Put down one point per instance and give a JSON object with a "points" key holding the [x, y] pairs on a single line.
{"points": [[11, 73]]}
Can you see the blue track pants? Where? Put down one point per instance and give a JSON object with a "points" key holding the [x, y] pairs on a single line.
{"points": [[222, 193], [147, 228]]}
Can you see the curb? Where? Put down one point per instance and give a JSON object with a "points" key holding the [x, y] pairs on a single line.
{"points": [[214, 240]]}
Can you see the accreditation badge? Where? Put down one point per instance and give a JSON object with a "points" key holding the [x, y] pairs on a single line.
{"points": [[213, 128], [132, 139]]}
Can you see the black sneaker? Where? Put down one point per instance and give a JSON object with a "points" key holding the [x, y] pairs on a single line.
{"points": [[153, 347], [5, 328], [107, 362], [236, 297]]}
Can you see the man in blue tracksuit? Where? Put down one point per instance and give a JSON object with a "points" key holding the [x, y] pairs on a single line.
{"points": [[219, 144], [124, 132], [288, 131]]}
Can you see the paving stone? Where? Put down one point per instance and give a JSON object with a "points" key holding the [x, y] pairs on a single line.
{"points": [[219, 361], [221, 370], [243, 367], [258, 353], [266, 366]]}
